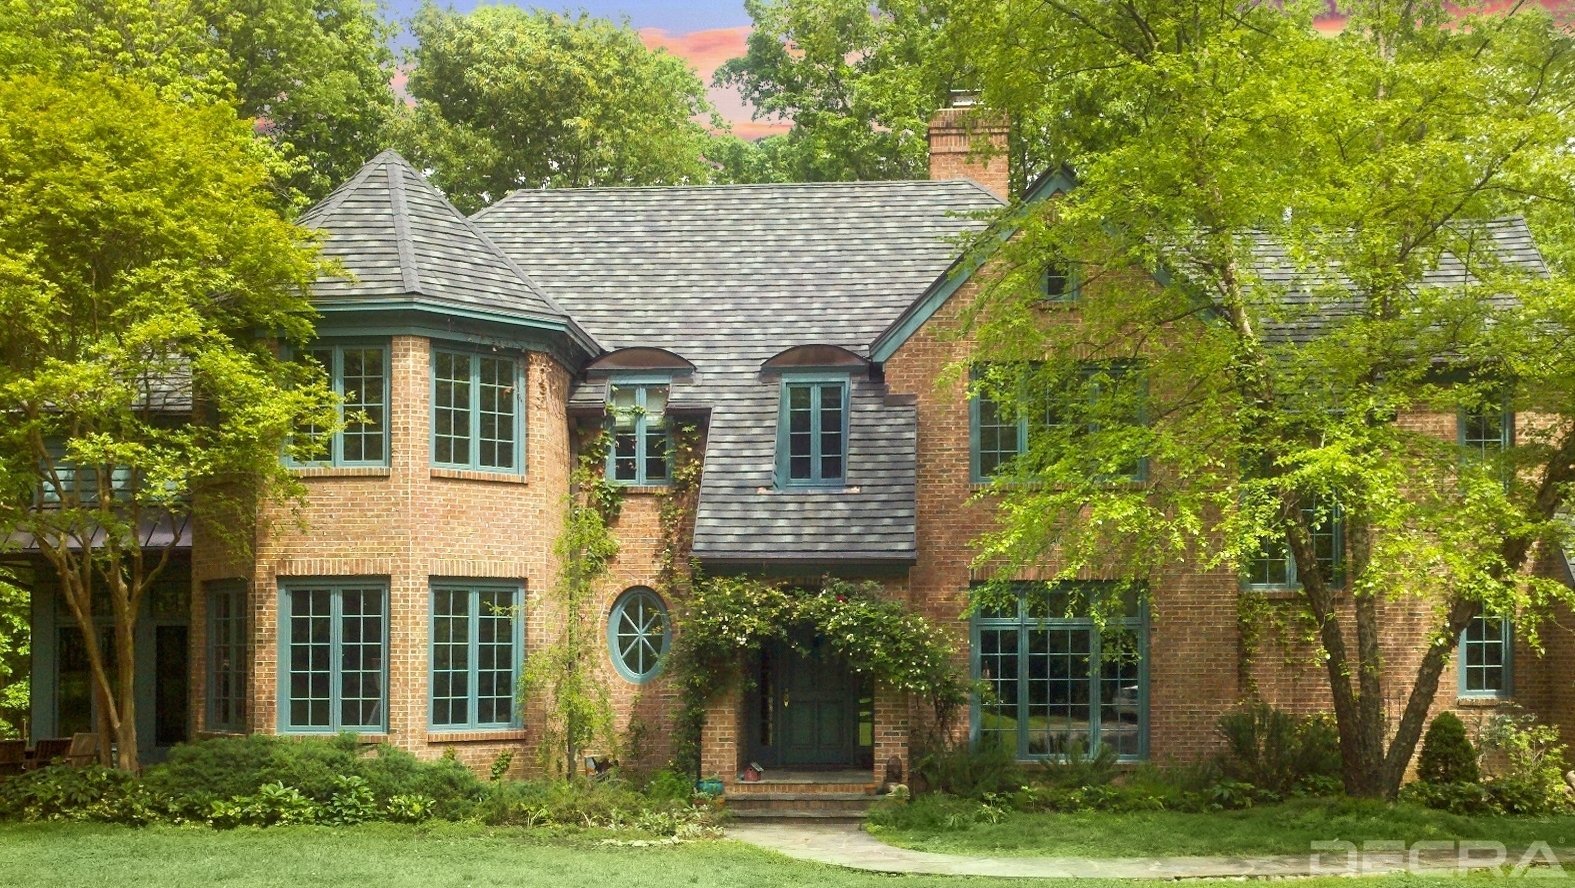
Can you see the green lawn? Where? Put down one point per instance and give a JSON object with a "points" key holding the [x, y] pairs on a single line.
{"points": [[59, 855], [1272, 829]]}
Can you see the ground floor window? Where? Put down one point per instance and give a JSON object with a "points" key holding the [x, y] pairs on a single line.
{"points": [[1485, 648], [476, 646], [333, 637], [229, 654], [1053, 678]]}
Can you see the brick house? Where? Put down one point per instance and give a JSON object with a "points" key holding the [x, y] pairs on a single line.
{"points": [[804, 329]]}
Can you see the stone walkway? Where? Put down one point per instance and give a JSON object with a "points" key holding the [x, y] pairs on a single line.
{"points": [[848, 845]]}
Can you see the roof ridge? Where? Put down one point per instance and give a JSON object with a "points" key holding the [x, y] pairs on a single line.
{"points": [[402, 240], [330, 204]]}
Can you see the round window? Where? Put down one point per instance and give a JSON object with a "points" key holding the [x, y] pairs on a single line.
{"points": [[638, 634]]}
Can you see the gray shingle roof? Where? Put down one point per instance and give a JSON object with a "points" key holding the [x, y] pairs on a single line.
{"points": [[400, 237], [729, 276]]}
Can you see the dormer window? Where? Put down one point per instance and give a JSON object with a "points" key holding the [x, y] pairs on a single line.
{"points": [[812, 432], [640, 443]]}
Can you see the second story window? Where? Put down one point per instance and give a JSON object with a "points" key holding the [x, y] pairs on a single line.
{"points": [[639, 433], [1002, 430], [1059, 283], [1486, 431], [72, 486], [812, 432], [1275, 568], [358, 374], [475, 412]]}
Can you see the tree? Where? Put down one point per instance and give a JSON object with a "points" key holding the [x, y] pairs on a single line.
{"points": [[142, 265], [508, 98], [314, 73], [1239, 156], [858, 83], [15, 639]]}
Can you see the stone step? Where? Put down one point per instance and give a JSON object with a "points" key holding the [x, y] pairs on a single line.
{"points": [[774, 816], [848, 805]]}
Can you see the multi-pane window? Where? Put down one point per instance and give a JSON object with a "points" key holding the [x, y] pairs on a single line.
{"points": [[1003, 431], [1486, 431], [1053, 681], [475, 411], [333, 638], [66, 483], [638, 634], [1485, 648], [358, 374], [813, 433], [639, 440], [1274, 565], [1058, 283], [229, 655], [475, 655]]}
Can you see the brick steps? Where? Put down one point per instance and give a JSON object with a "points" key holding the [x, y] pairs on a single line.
{"points": [[839, 803]]}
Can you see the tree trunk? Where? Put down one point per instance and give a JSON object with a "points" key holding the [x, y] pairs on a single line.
{"points": [[126, 757]]}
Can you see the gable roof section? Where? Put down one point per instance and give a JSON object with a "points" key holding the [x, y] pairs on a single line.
{"points": [[729, 277], [405, 244]]}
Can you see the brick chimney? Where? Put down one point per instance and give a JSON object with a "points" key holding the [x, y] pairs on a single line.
{"points": [[956, 131]]}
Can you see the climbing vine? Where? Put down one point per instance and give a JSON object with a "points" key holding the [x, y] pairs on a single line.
{"points": [[880, 638], [1258, 615], [568, 670]]}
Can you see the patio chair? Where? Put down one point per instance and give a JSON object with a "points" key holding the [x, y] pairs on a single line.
{"points": [[83, 750], [45, 752], [13, 757]]}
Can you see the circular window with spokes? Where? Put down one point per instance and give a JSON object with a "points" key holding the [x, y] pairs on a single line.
{"points": [[638, 634]]}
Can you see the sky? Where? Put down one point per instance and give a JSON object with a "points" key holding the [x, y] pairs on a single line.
{"points": [[705, 33]]}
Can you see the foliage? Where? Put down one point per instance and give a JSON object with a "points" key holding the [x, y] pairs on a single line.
{"points": [[670, 785], [1447, 754], [858, 82], [568, 669], [878, 637], [1197, 133], [226, 768], [141, 263], [605, 804], [1275, 751], [500, 764], [1079, 766], [315, 74], [508, 98], [92, 793], [1456, 798], [963, 770], [15, 642], [1526, 766]]}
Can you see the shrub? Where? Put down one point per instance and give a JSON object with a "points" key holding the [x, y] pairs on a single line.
{"points": [[410, 808], [1277, 751], [604, 804], [1447, 754], [1079, 767], [670, 785], [960, 770], [1527, 766], [92, 793], [1456, 798]]}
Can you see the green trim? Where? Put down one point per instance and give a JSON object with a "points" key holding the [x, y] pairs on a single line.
{"points": [[644, 435], [335, 370], [473, 411], [1506, 641], [1336, 534], [814, 382], [615, 616], [1072, 286], [472, 698], [944, 287], [336, 587], [445, 313]]}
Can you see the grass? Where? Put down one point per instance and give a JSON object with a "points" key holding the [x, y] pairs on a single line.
{"points": [[939, 824], [66, 855]]}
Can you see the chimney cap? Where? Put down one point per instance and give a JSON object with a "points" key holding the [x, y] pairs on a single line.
{"points": [[962, 98]]}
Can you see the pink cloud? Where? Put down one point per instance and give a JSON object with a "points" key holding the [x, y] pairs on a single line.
{"points": [[705, 51]]}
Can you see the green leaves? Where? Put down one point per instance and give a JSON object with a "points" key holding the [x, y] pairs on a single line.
{"points": [[508, 98]]}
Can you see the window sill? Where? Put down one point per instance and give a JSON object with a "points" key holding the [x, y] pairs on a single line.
{"points": [[641, 489], [477, 736], [793, 489], [365, 738], [476, 475], [1464, 702], [341, 471]]}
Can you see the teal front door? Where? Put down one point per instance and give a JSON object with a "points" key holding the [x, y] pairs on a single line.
{"points": [[813, 708]]}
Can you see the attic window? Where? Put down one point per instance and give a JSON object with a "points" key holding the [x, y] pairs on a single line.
{"points": [[812, 432], [1059, 283]]}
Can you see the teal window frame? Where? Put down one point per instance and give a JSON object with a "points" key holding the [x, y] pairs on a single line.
{"points": [[1471, 677], [81, 481], [979, 406], [476, 410], [335, 370], [1333, 537], [646, 434], [622, 640], [1479, 444], [336, 591], [228, 649], [1071, 282], [1023, 623], [480, 656], [817, 385]]}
